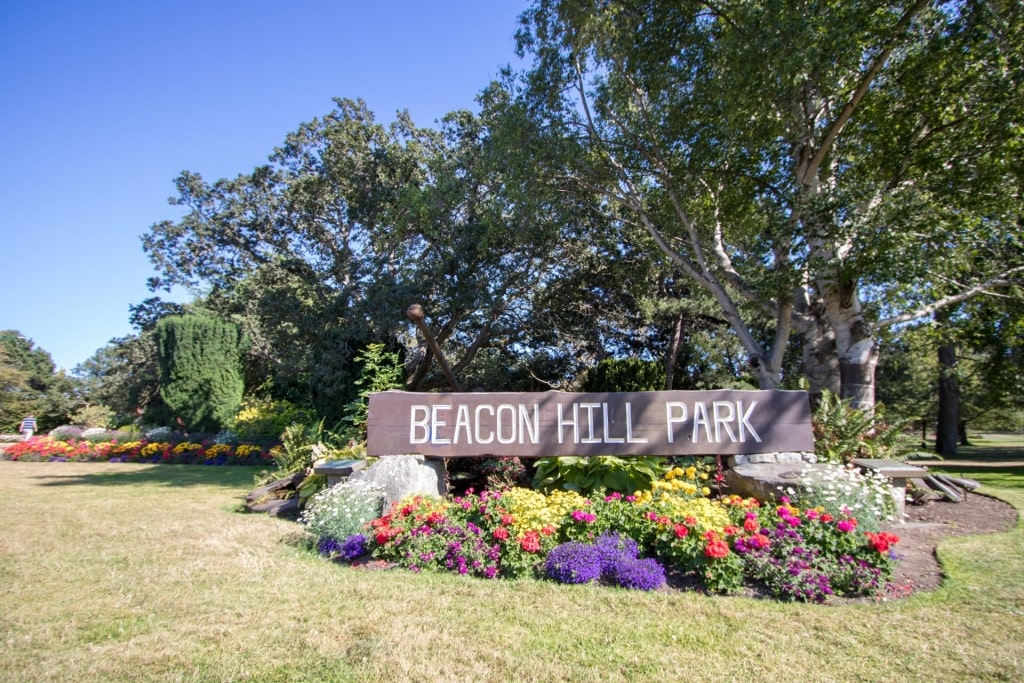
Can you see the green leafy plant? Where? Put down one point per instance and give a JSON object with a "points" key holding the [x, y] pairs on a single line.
{"points": [[264, 418], [303, 445], [625, 374], [574, 473], [842, 432], [380, 370]]}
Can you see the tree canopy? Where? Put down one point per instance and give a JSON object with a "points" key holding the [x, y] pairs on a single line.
{"points": [[822, 171]]}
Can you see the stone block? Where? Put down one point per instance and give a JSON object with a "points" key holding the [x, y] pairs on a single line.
{"points": [[404, 475]]}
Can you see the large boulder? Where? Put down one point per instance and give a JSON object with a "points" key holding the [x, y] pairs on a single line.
{"points": [[404, 475]]}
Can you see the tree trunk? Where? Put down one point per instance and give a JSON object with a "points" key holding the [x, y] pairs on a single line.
{"points": [[673, 352], [855, 345], [962, 433], [819, 361], [947, 427]]}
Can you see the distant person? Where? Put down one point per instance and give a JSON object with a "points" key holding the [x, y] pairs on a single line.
{"points": [[27, 427]]}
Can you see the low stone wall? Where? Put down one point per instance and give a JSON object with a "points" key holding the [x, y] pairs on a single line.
{"points": [[792, 458]]}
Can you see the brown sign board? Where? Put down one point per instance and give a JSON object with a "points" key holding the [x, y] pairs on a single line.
{"points": [[554, 423]]}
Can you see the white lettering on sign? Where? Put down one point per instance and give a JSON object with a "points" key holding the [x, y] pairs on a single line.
{"points": [[584, 421], [727, 420], [506, 423], [576, 423]]}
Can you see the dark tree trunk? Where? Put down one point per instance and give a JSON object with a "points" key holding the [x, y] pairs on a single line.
{"points": [[947, 428], [673, 352], [962, 433]]}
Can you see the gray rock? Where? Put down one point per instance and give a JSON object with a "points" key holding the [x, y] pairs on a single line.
{"points": [[767, 480], [405, 475]]}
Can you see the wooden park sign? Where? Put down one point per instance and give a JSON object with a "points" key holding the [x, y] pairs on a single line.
{"points": [[727, 422]]}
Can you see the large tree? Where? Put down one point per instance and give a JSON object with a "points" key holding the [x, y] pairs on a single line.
{"points": [[822, 170], [31, 383]]}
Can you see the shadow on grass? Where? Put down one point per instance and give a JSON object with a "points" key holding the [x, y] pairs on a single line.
{"points": [[235, 477]]}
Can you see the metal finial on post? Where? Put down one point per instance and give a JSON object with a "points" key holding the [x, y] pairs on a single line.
{"points": [[415, 314]]}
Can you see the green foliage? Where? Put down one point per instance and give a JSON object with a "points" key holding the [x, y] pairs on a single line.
{"points": [[585, 474], [266, 418], [842, 432], [93, 416], [379, 370], [302, 446], [30, 384], [200, 370], [625, 374]]}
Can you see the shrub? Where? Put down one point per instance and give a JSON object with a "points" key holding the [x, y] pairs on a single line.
{"points": [[842, 432], [264, 418], [66, 433], [625, 475], [343, 510], [200, 364], [625, 374], [100, 416]]}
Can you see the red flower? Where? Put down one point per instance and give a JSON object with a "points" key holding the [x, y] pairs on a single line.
{"points": [[730, 530], [530, 542], [882, 541], [501, 533], [717, 549], [682, 531], [508, 519], [435, 517], [750, 525]]}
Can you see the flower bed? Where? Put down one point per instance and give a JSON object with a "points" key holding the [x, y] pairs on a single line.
{"points": [[793, 553], [205, 452]]}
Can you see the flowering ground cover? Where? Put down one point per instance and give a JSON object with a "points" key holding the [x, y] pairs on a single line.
{"points": [[181, 452], [795, 553]]}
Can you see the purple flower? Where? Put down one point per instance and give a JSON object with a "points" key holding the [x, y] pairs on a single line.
{"points": [[353, 547], [639, 573], [574, 562]]}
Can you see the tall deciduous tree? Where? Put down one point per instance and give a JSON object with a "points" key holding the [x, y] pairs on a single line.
{"points": [[828, 167]]}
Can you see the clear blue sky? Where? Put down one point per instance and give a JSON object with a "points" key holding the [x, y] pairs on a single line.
{"points": [[103, 104]]}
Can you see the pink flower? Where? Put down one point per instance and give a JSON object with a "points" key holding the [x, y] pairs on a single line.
{"points": [[847, 525]]}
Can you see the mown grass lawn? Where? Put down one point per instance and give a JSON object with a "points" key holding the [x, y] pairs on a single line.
{"points": [[115, 572]]}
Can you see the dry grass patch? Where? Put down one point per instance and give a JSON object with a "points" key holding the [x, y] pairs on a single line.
{"points": [[131, 572]]}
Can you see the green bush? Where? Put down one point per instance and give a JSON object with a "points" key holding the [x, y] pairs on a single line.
{"points": [[264, 418], [585, 474], [625, 374], [200, 370], [842, 432]]}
